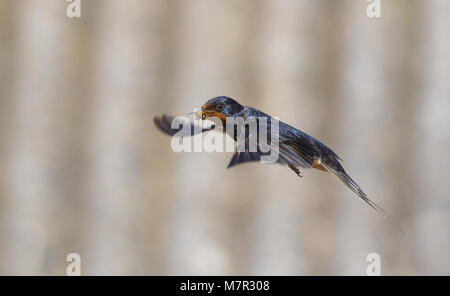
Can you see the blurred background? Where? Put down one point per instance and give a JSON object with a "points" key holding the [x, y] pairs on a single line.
{"points": [[84, 169]]}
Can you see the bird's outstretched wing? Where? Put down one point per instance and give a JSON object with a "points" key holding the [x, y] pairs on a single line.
{"points": [[164, 123], [287, 155], [291, 149]]}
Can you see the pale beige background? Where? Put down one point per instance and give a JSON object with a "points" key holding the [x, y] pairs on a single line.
{"points": [[83, 169]]}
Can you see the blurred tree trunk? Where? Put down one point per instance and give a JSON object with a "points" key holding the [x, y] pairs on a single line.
{"points": [[6, 79], [126, 216], [404, 79], [40, 171], [432, 161], [379, 132]]}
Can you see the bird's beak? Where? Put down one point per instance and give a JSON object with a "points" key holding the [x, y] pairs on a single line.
{"points": [[205, 112]]}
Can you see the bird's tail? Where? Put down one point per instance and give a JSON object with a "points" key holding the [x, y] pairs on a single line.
{"points": [[332, 165]]}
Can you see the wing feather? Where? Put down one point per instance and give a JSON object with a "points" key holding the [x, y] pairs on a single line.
{"points": [[164, 123]]}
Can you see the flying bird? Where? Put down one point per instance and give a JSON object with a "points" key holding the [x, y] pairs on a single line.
{"points": [[296, 149]]}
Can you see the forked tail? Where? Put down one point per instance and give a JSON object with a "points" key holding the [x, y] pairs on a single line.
{"points": [[334, 167]]}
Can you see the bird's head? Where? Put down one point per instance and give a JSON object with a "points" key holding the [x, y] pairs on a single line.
{"points": [[221, 107]]}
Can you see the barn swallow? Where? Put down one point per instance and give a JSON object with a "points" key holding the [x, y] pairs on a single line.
{"points": [[297, 150]]}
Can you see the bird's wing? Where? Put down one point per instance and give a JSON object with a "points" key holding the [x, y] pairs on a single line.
{"points": [[191, 127], [286, 150], [289, 152], [244, 156]]}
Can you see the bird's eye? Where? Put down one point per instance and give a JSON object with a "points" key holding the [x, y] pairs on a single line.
{"points": [[220, 106]]}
